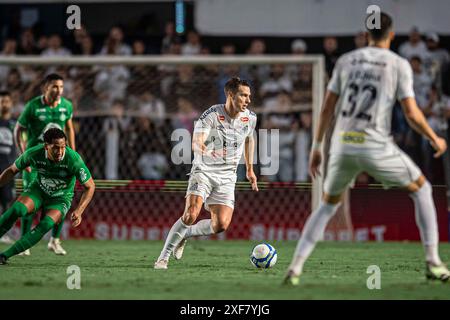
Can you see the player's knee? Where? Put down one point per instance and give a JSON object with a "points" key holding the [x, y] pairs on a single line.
{"points": [[220, 225], [19, 209], [191, 214]]}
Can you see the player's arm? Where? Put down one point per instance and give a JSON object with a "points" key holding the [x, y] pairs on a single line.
{"points": [[70, 132], [86, 197], [8, 175], [326, 116], [19, 140], [249, 150], [419, 123]]}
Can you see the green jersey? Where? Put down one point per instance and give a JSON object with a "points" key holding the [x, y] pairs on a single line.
{"points": [[55, 179], [38, 117]]}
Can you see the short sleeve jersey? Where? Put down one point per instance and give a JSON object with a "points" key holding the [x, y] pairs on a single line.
{"points": [[55, 179], [368, 82], [223, 132], [38, 117]]}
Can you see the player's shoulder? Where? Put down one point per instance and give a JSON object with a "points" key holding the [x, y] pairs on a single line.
{"points": [[35, 149], [66, 103], [34, 102], [211, 111], [72, 154], [251, 115]]}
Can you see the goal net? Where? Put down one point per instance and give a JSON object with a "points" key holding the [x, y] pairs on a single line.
{"points": [[134, 118]]}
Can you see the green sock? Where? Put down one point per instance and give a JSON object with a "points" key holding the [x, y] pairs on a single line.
{"points": [[25, 226], [30, 238], [56, 232], [10, 216]]}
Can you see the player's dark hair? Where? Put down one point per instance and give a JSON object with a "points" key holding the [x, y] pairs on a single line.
{"points": [[233, 84], [5, 93], [52, 77], [382, 32], [53, 134]]}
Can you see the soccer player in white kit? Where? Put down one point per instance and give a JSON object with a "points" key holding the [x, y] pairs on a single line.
{"points": [[221, 135], [361, 93]]}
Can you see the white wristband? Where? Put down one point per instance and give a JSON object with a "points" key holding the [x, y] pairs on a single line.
{"points": [[316, 146]]}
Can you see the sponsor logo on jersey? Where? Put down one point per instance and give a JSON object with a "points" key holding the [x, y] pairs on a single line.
{"points": [[83, 174], [203, 116], [194, 187], [51, 185], [221, 118], [62, 117], [62, 110], [244, 119], [353, 137]]}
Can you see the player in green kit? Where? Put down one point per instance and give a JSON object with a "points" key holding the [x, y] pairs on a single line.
{"points": [[57, 167], [49, 110]]}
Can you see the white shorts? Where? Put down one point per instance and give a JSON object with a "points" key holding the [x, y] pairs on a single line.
{"points": [[391, 167], [214, 188]]}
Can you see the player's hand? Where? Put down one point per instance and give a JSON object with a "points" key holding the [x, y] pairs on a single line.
{"points": [[439, 145], [76, 218], [252, 178], [315, 159], [28, 169]]}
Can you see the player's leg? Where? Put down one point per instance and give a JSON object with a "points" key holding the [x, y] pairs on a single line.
{"points": [[399, 170], [178, 231], [341, 171], [27, 221], [21, 207], [28, 240], [6, 196], [55, 240]]}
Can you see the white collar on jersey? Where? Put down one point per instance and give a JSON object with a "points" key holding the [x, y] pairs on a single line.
{"points": [[43, 101]]}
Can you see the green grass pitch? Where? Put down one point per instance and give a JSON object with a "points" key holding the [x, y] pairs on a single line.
{"points": [[219, 270]]}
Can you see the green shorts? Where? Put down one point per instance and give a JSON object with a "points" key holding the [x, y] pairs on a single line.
{"points": [[42, 200]]}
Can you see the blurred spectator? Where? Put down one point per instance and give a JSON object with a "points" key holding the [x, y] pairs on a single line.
{"points": [[226, 72], [414, 46], [27, 43], [302, 146], [55, 47], [277, 82], [422, 82], [184, 85], [114, 43], [228, 49], [360, 40], [185, 115], [9, 49], [13, 81], [302, 87], [82, 42], [278, 115], [152, 107], [42, 43], [169, 37], [436, 58], [299, 46], [138, 47], [193, 45], [330, 50], [111, 83]]}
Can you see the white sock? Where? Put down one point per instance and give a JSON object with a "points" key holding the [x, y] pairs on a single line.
{"points": [[312, 232], [201, 228], [426, 220], [176, 234]]}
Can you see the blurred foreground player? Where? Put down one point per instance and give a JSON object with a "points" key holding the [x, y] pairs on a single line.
{"points": [[52, 190], [364, 87], [221, 135]]}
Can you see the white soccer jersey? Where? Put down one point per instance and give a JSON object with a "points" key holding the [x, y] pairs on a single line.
{"points": [[223, 133], [368, 81]]}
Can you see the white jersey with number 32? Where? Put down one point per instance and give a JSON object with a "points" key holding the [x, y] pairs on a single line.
{"points": [[368, 82]]}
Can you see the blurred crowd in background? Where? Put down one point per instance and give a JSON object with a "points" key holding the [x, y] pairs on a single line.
{"points": [[136, 108]]}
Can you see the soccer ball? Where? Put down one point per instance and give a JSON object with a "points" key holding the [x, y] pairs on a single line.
{"points": [[263, 256]]}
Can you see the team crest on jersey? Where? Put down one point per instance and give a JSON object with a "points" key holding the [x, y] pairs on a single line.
{"points": [[83, 174], [221, 118], [62, 117], [42, 118], [244, 119]]}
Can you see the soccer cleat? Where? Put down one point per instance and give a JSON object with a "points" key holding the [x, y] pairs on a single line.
{"points": [[6, 239], [161, 264], [25, 253], [439, 272], [291, 279], [178, 252], [55, 246], [3, 259]]}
